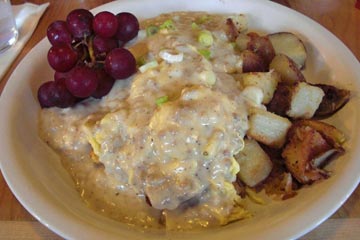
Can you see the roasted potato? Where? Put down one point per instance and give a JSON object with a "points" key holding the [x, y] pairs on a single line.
{"points": [[252, 62], [305, 143], [334, 136], [262, 46], [290, 45], [231, 30], [240, 21], [257, 44], [268, 128], [298, 101], [308, 148], [266, 81], [280, 103], [235, 25], [305, 100], [242, 41], [287, 69], [255, 164], [253, 96], [333, 100]]}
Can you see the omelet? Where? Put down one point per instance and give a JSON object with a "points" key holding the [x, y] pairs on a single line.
{"points": [[158, 151]]}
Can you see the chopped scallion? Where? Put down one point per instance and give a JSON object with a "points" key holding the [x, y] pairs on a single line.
{"points": [[194, 26], [140, 61], [168, 24], [205, 38], [161, 100], [151, 30], [206, 53]]}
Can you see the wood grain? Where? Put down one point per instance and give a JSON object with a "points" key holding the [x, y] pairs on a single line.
{"points": [[338, 16], [10, 207]]}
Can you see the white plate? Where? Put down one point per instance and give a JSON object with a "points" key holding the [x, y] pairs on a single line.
{"points": [[38, 180]]}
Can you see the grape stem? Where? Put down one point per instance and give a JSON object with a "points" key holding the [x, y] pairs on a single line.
{"points": [[91, 52], [78, 44], [81, 44]]}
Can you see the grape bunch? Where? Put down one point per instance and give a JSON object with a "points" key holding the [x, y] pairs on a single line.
{"points": [[88, 55]]}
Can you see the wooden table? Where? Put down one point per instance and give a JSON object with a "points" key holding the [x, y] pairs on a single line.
{"points": [[339, 16]]}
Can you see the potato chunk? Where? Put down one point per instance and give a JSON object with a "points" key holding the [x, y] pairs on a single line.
{"points": [[252, 62], [287, 68], [332, 135], [262, 46], [310, 145], [255, 164], [305, 143], [266, 81], [242, 41], [268, 128], [280, 103], [261, 49], [291, 45], [305, 100], [334, 99]]}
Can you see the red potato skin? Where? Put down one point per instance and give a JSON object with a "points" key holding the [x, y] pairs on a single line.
{"points": [[231, 30], [280, 103], [334, 100], [252, 62], [262, 46], [302, 65], [294, 67], [287, 69]]}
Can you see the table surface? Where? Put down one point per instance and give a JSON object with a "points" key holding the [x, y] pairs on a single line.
{"points": [[341, 17]]}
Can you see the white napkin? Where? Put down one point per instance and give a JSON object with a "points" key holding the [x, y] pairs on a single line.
{"points": [[27, 16]]}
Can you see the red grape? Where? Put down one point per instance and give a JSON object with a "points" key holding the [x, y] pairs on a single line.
{"points": [[103, 45], [58, 33], [87, 56], [105, 24], [60, 80], [61, 75], [120, 63], [105, 84], [82, 81], [79, 23], [62, 58], [55, 94], [128, 26]]}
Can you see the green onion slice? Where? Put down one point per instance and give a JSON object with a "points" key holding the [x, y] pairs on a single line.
{"points": [[206, 53], [168, 24], [205, 38], [151, 30], [161, 100]]}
